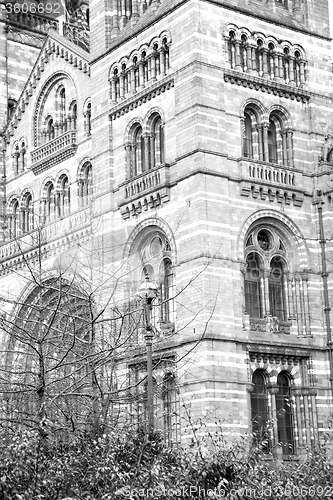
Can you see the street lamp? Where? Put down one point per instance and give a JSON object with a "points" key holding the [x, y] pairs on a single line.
{"points": [[147, 293]]}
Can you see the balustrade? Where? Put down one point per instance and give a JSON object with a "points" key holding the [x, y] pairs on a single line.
{"points": [[58, 144]]}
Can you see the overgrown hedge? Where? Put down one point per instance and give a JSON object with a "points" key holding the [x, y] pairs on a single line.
{"points": [[124, 466]]}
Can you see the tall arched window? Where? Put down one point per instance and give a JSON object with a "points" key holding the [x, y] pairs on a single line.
{"points": [[276, 288], [13, 219], [272, 142], [152, 257], [252, 133], [264, 277], [85, 184], [169, 396], [49, 202], [138, 152], [62, 110], [27, 214], [248, 137], [157, 143], [50, 130], [253, 294], [259, 410], [284, 414], [63, 196]]}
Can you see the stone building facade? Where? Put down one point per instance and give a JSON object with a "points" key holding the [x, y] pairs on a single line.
{"points": [[191, 142]]}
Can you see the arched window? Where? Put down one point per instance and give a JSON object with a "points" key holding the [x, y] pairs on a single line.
{"points": [[252, 285], [153, 258], [52, 324], [62, 110], [13, 219], [63, 197], [85, 184], [156, 143], [264, 278], [27, 214], [49, 202], [137, 152], [169, 396], [284, 414], [252, 133], [50, 130], [276, 289], [72, 116], [272, 142], [248, 137], [259, 410]]}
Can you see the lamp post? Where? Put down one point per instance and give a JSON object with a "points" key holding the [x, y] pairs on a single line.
{"points": [[147, 293]]}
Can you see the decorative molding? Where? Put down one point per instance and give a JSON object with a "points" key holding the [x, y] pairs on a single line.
{"points": [[267, 86], [150, 202], [264, 192], [141, 97]]}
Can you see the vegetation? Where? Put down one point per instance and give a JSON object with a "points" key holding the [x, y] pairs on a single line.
{"points": [[126, 466]]}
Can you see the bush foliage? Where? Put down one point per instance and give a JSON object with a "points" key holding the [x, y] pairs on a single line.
{"points": [[127, 466]]}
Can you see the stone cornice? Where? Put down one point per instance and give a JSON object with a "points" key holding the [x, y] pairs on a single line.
{"points": [[141, 97], [268, 86]]}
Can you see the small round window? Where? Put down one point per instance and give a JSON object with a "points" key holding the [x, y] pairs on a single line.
{"points": [[264, 240]]}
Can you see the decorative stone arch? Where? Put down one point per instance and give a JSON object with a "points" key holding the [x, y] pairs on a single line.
{"points": [[245, 32], [165, 35], [140, 228], [257, 106], [283, 114], [15, 197], [288, 230], [60, 175], [82, 164], [151, 115], [26, 192], [42, 97], [230, 27], [129, 128], [143, 48], [271, 371], [298, 48], [46, 182], [115, 67], [154, 42]]}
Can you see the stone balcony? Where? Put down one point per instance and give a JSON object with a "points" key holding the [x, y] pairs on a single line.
{"points": [[273, 182], [53, 152], [146, 191]]}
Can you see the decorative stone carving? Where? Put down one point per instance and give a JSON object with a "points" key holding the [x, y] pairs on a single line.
{"points": [[327, 150]]}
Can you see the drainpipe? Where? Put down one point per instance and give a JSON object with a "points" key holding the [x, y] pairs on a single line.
{"points": [[324, 274]]}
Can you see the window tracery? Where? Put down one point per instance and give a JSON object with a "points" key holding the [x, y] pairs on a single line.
{"points": [[276, 298]]}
